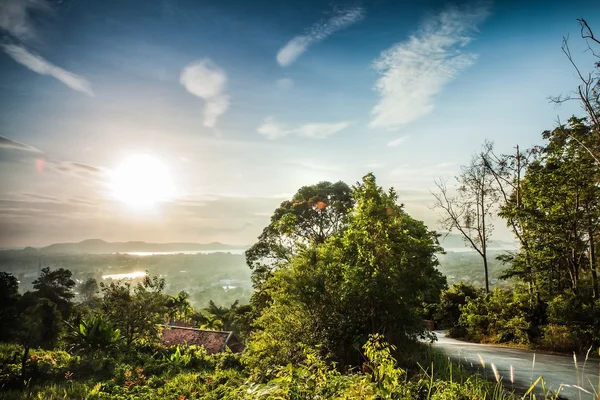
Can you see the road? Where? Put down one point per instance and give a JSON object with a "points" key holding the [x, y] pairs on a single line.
{"points": [[556, 369]]}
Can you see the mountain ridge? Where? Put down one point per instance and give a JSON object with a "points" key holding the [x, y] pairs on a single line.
{"points": [[99, 246]]}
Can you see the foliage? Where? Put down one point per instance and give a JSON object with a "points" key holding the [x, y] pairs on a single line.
{"points": [[312, 215], [451, 302], [136, 311], [374, 277], [56, 286], [94, 335], [9, 306]]}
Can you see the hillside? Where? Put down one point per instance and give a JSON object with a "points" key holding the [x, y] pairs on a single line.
{"points": [[98, 246]]}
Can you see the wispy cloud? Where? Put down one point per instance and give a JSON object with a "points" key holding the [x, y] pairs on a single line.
{"points": [[15, 17], [414, 71], [398, 142], [321, 30], [206, 80], [272, 129], [6, 143], [43, 67], [285, 83]]}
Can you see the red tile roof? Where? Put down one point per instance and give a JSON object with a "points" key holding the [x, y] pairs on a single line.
{"points": [[212, 341]]}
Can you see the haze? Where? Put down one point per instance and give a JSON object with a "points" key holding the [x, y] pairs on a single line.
{"points": [[191, 121]]}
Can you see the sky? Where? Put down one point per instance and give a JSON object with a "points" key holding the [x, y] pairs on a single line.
{"points": [[191, 121]]}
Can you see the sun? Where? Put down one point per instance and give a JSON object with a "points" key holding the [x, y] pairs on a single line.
{"points": [[141, 181]]}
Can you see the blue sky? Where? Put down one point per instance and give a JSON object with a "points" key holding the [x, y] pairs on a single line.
{"points": [[240, 103]]}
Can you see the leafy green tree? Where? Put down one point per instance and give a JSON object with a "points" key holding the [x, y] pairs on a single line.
{"points": [[56, 286], [451, 302], [560, 210], [370, 278], [138, 311], [179, 307], [39, 326], [212, 322], [94, 335], [9, 302], [312, 215]]}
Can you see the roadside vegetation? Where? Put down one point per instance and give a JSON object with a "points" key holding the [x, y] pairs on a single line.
{"points": [[549, 197]]}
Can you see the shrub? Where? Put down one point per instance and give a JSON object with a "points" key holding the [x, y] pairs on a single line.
{"points": [[449, 309], [558, 338]]}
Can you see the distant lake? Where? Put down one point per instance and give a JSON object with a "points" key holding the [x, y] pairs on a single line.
{"points": [[163, 253], [129, 275]]}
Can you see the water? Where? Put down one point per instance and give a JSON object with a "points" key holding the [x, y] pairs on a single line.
{"points": [[163, 253], [128, 275]]}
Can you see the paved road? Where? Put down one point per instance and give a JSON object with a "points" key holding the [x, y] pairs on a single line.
{"points": [[556, 369]]}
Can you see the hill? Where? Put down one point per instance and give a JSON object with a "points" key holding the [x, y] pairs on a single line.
{"points": [[98, 246]]}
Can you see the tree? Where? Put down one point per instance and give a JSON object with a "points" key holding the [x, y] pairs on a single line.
{"points": [[136, 312], [39, 326], [179, 307], [9, 302], [314, 213], [470, 211], [88, 290], [56, 286], [452, 300], [560, 210], [211, 322], [588, 91], [370, 278], [224, 314], [311, 216]]}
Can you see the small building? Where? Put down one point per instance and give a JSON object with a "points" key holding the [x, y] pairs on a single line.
{"points": [[212, 341]]}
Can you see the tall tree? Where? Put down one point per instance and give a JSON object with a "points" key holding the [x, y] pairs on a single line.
{"points": [[179, 307], [9, 302], [588, 90], [561, 209], [136, 311], [371, 278], [56, 286], [312, 215], [470, 211]]}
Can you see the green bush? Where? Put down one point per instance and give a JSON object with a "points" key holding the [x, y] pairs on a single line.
{"points": [[502, 316], [558, 338]]}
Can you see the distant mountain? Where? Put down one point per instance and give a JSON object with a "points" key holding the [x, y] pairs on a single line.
{"points": [[98, 246], [455, 242]]}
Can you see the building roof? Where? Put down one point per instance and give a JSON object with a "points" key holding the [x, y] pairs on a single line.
{"points": [[212, 341]]}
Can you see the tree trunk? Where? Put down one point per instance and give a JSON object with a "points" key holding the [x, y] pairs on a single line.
{"points": [[485, 273], [24, 362], [593, 264]]}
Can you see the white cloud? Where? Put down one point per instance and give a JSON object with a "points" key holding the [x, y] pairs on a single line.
{"points": [[317, 130], [15, 17], [321, 30], [414, 71], [43, 67], [285, 83], [397, 142], [206, 80], [312, 165]]}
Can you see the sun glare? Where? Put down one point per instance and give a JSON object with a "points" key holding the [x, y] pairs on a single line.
{"points": [[141, 181]]}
